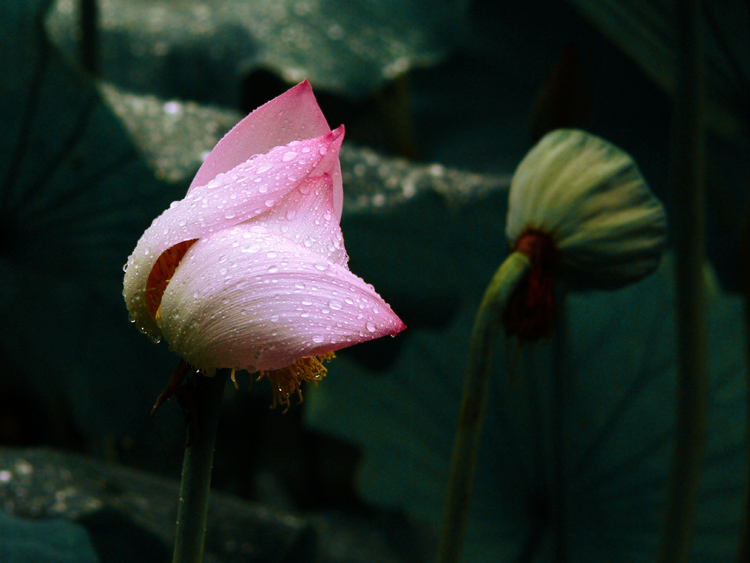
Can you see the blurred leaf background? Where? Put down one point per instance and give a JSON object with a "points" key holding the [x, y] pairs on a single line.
{"points": [[440, 101]]}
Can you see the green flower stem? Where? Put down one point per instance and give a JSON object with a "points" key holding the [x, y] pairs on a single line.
{"points": [[196, 471], [559, 400], [487, 325], [687, 195], [743, 554]]}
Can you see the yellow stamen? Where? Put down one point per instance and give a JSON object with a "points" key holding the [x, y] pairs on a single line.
{"points": [[234, 379], [286, 381]]}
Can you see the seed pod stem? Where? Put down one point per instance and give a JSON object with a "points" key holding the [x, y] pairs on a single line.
{"points": [[487, 326]]}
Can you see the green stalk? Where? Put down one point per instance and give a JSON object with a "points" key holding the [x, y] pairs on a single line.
{"points": [[487, 326], [687, 195], [743, 554], [744, 253], [559, 392], [196, 471]]}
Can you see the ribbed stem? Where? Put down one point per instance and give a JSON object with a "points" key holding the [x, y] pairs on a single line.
{"points": [[196, 471], [687, 195], [484, 335]]}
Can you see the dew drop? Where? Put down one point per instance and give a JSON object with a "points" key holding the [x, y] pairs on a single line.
{"points": [[335, 304], [288, 157], [290, 214], [264, 168], [263, 189], [321, 266], [318, 338], [269, 203], [230, 215], [274, 318], [371, 327], [273, 269], [304, 189], [299, 285]]}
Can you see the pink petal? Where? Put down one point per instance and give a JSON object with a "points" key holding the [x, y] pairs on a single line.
{"points": [[306, 216], [246, 191], [292, 116], [332, 165], [249, 298]]}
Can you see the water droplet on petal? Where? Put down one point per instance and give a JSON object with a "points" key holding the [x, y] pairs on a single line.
{"points": [[230, 215], [273, 269], [274, 318], [318, 338], [269, 203], [264, 168], [371, 327], [290, 214], [288, 157]]}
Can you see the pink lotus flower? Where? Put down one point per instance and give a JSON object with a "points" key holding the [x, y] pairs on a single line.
{"points": [[249, 270]]}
